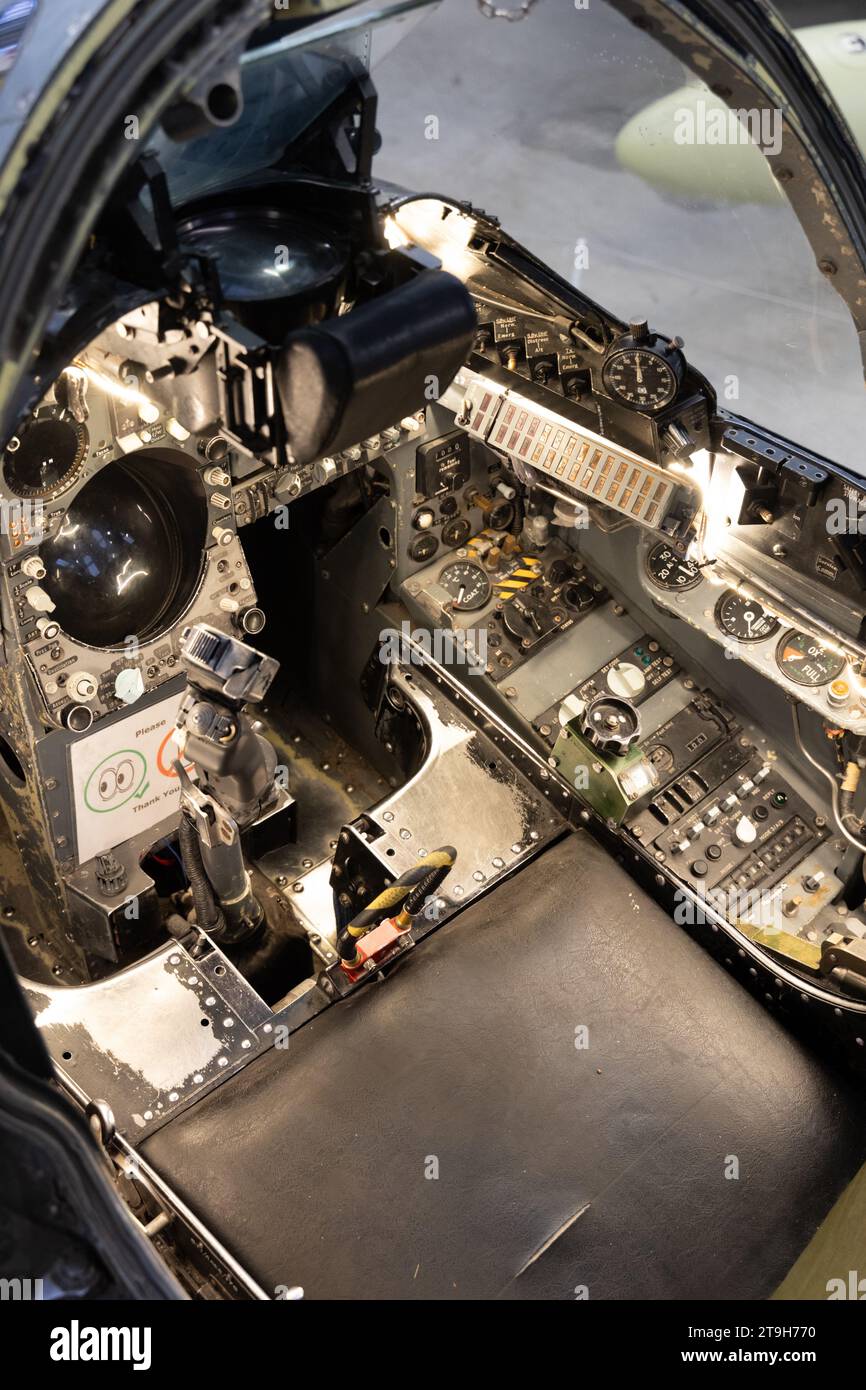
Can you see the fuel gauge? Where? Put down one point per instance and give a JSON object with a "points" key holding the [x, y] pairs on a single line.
{"points": [[806, 661]]}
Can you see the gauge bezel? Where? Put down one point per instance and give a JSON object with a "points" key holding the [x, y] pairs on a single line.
{"points": [[456, 531], [423, 540], [807, 685], [169, 482], [669, 588], [46, 415], [619, 395], [733, 636], [467, 564]]}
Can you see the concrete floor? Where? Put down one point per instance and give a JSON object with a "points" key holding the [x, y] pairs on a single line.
{"points": [[528, 114]]}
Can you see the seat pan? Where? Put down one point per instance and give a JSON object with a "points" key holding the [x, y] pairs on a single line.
{"points": [[443, 1134]]}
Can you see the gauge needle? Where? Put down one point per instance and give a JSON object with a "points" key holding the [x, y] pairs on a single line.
{"points": [[460, 595]]}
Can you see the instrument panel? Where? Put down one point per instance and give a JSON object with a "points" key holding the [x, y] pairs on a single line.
{"points": [[506, 604], [569, 456], [127, 533], [722, 810], [814, 667]]}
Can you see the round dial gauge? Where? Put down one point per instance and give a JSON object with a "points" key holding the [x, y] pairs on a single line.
{"points": [[744, 619], [668, 570], [467, 584], [46, 455], [640, 377], [806, 661]]}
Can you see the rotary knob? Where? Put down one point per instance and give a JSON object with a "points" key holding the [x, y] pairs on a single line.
{"points": [[38, 599], [83, 687], [626, 680], [745, 832], [611, 725], [324, 470], [129, 685]]}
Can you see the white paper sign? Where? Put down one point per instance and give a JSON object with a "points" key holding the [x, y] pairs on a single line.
{"points": [[122, 778]]}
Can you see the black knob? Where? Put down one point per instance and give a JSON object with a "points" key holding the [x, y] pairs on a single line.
{"points": [[611, 725], [639, 329]]}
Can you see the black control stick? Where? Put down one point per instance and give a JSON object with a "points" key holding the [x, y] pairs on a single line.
{"points": [[234, 767]]}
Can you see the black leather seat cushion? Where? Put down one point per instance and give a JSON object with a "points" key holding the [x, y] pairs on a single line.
{"points": [[310, 1165]]}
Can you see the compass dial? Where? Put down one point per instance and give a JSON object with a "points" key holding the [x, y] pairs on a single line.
{"points": [[45, 456], [806, 661], [744, 619], [467, 584]]}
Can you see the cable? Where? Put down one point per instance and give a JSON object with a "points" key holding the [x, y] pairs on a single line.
{"points": [[398, 892], [174, 853], [834, 786], [208, 914]]}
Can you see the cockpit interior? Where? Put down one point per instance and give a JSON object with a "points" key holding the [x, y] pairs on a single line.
{"points": [[408, 661]]}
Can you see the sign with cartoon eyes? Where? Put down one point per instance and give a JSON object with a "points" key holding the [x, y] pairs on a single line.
{"points": [[118, 777], [123, 781]]}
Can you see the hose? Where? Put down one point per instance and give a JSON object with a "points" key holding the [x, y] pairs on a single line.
{"points": [[838, 815], [410, 890], [208, 914]]}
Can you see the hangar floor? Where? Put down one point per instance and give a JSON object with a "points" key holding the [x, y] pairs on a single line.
{"points": [[528, 115]]}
